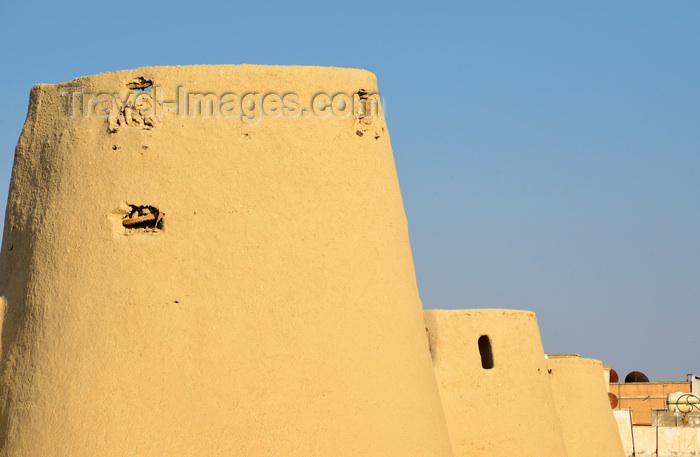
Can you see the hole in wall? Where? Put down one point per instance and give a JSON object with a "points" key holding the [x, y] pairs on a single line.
{"points": [[140, 83], [486, 352], [144, 218]]}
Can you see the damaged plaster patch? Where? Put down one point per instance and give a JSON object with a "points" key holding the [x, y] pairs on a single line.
{"points": [[367, 117], [137, 111]]}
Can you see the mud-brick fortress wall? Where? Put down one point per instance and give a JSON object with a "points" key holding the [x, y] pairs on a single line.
{"points": [[586, 418], [190, 286], [174, 283], [494, 383], [502, 397]]}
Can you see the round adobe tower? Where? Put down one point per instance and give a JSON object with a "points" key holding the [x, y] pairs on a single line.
{"points": [[186, 284], [494, 383], [586, 418]]}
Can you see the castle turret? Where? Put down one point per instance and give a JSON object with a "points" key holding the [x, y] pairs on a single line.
{"points": [[494, 383], [588, 425], [211, 261]]}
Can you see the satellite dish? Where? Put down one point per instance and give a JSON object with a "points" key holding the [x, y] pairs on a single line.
{"points": [[613, 400], [636, 376], [613, 376]]}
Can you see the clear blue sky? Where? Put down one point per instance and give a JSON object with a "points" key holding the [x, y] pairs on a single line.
{"points": [[549, 152]]}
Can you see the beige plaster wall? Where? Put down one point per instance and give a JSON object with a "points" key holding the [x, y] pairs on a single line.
{"points": [[504, 411], [653, 441], [584, 409], [645, 441], [275, 314], [623, 420], [678, 441]]}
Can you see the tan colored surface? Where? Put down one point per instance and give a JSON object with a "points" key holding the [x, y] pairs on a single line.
{"points": [[668, 441], [678, 441], [623, 420], [505, 411], [584, 409], [276, 313], [645, 441], [643, 397]]}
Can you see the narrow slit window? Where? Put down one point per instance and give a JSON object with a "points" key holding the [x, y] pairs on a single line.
{"points": [[486, 352]]}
